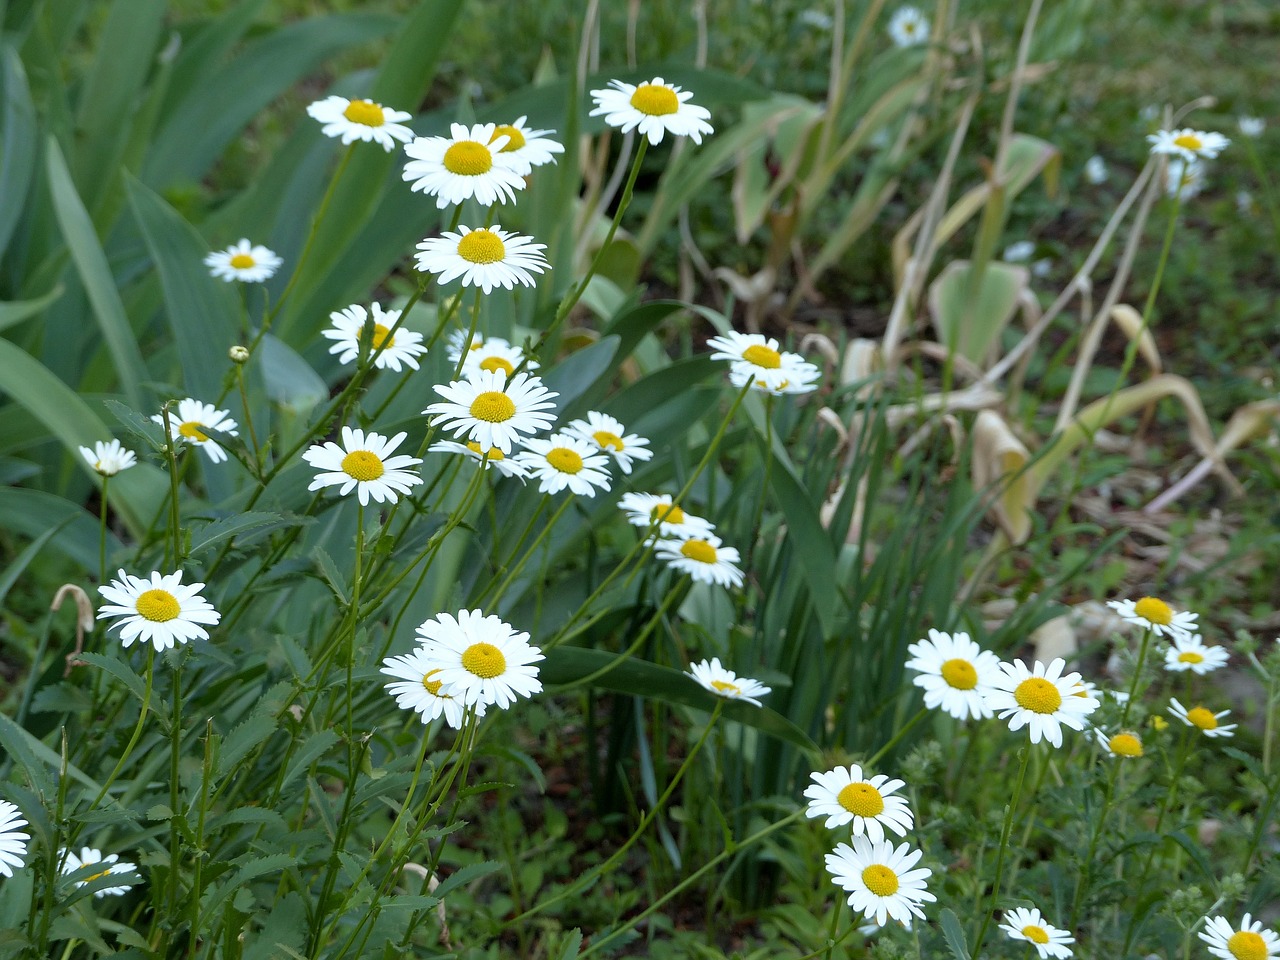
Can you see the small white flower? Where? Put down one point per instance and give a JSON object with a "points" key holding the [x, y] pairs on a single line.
{"points": [[803, 378], [1192, 653], [955, 674], [1095, 170], [478, 340], [487, 257], [1154, 614], [1204, 719], [468, 163], [480, 659], [1023, 924], [562, 461], [158, 609], [879, 879], [703, 558], [363, 462], [816, 19], [1244, 203], [609, 435], [908, 27], [1250, 941], [754, 354], [1042, 699], [497, 355], [108, 459], [655, 108], [1183, 178], [491, 458], [846, 795], [1252, 126], [1125, 745], [492, 410], [90, 857], [648, 509], [526, 148], [13, 841], [1019, 252], [404, 346], [243, 261], [365, 120], [1188, 144], [417, 689], [1042, 267], [711, 676], [191, 421]]}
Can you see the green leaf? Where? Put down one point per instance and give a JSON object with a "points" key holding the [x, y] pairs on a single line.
{"points": [[202, 53], [15, 567], [954, 934], [33, 754], [572, 945], [20, 139], [215, 533], [250, 868], [575, 374], [120, 670], [243, 738], [329, 571], [31, 512], [972, 326], [472, 871], [16, 311], [316, 746], [289, 379]]}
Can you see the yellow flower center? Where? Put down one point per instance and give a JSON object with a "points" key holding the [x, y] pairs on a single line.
{"points": [[433, 686], [493, 454], [909, 27], [467, 158], [191, 430], [481, 246], [656, 101], [960, 674], [699, 550], [880, 880], [1035, 934], [1125, 745], [1188, 141], [365, 112], [507, 130], [158, 606], [1190, 656], [1247, 945], [242, 261], [1159, 723], [723, 686], [1202, 718], [362, 465], [381, 338], [762, 356], [861, 799], [1153, 610], [493, 406], [484, 660], [1037, 695], [608, 441], [497, 363], [564, 460], [666, 513]]}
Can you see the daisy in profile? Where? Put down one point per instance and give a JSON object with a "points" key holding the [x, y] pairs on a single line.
{"points": [[1152, 613], [418, 689], [711, 676], [880, 880], [654, 108], [655, 510], [1203, 719], [1191, 653], [487, 257], [403, 346], [1125, 745], [908, 28], [13, 841], [491, 458], [1027, 925], [759, 356], [109, 865], [955, 674], [1249, 941], [468, 163], [480, 659], [364, 120], [363, 462], [804, 379], [1252, 127], [562, 461], [495, 354], [1188, 144], [243, 261], [458, 339], [1042, 699], [605, 433], [526, 148], [194, 420], [845, 795], [108, 459], [492, 410], [157, 610], [703, 558]]}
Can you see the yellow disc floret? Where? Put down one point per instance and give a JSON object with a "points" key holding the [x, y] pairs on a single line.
{"points": [[880, 880], [723, 686], [432, 686], [564, 460], [960, 674], [381, 338], [516, 140], [1188, 141], [1190, 656], [362, 465], [1154, 610], [608, 441], [191, 430], [699, 550], [484, 660], [762, 356], [1035, 934], [1247, 945], [861, 799], [242, 261], [1037, 695], [158, 606], [497, 363], [493, 454], [481, 246], [1125, 745], [656, 101], [493, 406], [467, 158], [365, 112], [666, 513], [1202, 718]]}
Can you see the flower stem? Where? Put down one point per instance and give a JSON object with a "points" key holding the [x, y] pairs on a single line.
{"points": [[989, 913], [102, 533], [1137, 676]]}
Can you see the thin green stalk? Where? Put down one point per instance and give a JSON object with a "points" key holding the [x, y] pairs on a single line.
{"points": [[1000, 855], [537, 541], [206, 774], [1137, 676], [149, 673], [353, 621], [102, 532], [1084, 877], [175, 527], [893, 741], [254, 449], [175, 755], [676, 594], [318, 930], [835, 925]]}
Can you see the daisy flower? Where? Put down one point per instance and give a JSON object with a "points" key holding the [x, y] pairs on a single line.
{"points": [[486, 258], [655, 108], [804, 379], [191, 421], [759, 356], [605, 433], [1042, 699], [526, 148], [1191, 653], [365, 120], [565, 461], [1019, 252], [1154, 614], [844, 795], [1203, 718], [417, 689], [655, 510], [458, 338], [703, 558], [1187, 143], [243, 261], [480, 659], [1095, 170], [494, 354], [725, 683], [90, 857], [157, 609], [364, 462], [108, 459], [955, 673], [403, 346], [908, 28], [1252, 126], [1125, 745], [493, 457], [492, 410], [1249, 941], [13, 842], [1183, 178], [880, 880], [1023, 924], [467, 163]]}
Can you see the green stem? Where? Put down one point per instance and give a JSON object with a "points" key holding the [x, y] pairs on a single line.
{"points": [[174, 521], [1000, 855], [1137, 676], [206, 774], [137, 730], [256, 458], [1086, 870], [102, 533], [835, 925], [893, 741], [175, 755]]}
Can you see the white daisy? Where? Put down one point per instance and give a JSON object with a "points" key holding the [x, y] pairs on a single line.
{"points": [[108, 459], [1125, 745], [955, 674], [492, 410], [1154, 614], [403, 346], [467, 163], [1042, 699], [243, 261], [487, 257], [1019, 252], [1252, 126], [655, 510], [191, 421], [526, 148], [908, 27], [703, 558], [90, 857], [655, 108], [1188, 144], [1203, 718], [365, 120], [1023, 924], [13, 842], [480, 659], [758, 355], [1095, 170], [158, 609], [803, 378], [607, 434], [845, 795], [493, 457], [711, 676], [459, 337], [880, 880], [1249, 941], [563, 461], [364, 462], [495, 354], [1183, 178], [419, 690], [1192, 653]]}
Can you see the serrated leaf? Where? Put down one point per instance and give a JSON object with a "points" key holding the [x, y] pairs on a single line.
{"points": [[243, 738], [144, 428], [572, 944], [120, 670], [954, 934], [216, 532], [472, 871], [249, 868], [316, 746], [329, 571]]}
